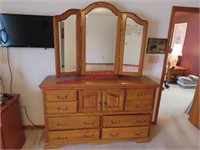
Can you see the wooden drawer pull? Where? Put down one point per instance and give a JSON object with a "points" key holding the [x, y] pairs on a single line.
{"points": [[115, 122], [114, 135], [140, 121], [61, 97], [62, 109], [88, 136], [139, 106], [141, 94], [88, 123], [62, 138], [62, 125], [138, 133]]}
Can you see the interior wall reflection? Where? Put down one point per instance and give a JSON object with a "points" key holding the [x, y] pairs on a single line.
{"points": [[101, 28], [132, 50], [67, 29]]}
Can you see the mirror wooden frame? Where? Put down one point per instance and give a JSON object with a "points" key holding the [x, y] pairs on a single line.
{"points": [[56, 21], [143, 23], [81, 39], [84, 12]]}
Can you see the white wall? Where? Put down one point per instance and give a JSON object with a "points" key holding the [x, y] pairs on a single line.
{"points": [[31, 65]]}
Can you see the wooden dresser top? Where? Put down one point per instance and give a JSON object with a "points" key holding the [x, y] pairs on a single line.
{"points": [[97, 81]]}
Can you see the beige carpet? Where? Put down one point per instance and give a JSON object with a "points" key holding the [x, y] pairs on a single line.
{"points": [[173, 130]]}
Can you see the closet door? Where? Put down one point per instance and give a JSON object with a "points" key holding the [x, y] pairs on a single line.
{"points": [[194, 112]]}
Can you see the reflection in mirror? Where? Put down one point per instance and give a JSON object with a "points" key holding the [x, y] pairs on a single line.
{"points": [[67, 32], [132, 46], [101, 30]]}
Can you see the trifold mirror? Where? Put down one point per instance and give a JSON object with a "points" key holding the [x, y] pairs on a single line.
{"points": [[99, 39]]}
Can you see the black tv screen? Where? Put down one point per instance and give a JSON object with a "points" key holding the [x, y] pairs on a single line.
{"points": [[26, 31]]}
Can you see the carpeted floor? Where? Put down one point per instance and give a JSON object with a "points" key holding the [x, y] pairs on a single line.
{"points": [[173, 130]]}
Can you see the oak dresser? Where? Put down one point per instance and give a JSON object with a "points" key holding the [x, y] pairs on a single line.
{"points": [[97, 109]]}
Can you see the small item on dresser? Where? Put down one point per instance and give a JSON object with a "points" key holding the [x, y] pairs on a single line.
{"points": [[8, 96]]}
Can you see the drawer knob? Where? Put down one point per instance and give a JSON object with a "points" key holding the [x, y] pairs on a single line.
{"points": [[139, 106], [139, 95], [62, 138], [105, 103], [61, 125], [140, 121], [138, 133], [61, 97], [114, 135], [88, 123], [114, 122], [88, 136], [62, 109]]}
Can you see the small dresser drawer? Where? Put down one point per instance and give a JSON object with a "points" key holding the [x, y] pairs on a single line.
{"points": [[73, 135], [139, 94], [61, 107], [61, 95], [139, 105], [124, 133], [60, 123], [126, 120]]}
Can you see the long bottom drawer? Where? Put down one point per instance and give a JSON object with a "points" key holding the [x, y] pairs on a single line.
{"points": [[73, 135], [125, 133]]}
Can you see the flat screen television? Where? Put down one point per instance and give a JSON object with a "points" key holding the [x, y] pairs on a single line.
{"points": [[26, 31]]}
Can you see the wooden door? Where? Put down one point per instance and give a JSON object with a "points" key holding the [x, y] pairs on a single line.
{"points": [[194, 112], [89, 100], [113, 100]]}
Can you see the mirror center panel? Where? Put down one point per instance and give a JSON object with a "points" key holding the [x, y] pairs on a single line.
{"points": [[101, 34]]}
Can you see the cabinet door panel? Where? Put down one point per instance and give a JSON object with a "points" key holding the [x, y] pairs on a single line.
{"points": [[89, 100], [113, 100]]}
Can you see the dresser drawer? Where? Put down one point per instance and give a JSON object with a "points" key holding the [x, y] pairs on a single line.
{"points": [[139, 105], [61, 107], [124, 133], [73, 135], [60, 123], [126, 120], [139, 94], [61, 95]]}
